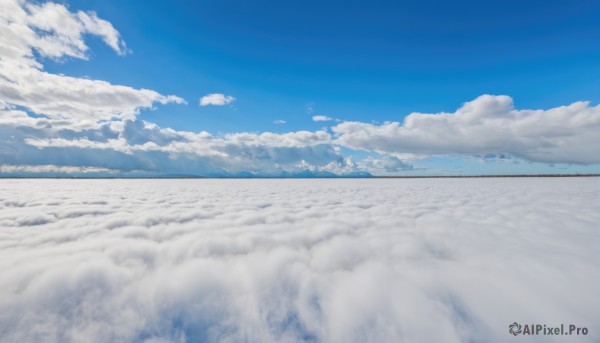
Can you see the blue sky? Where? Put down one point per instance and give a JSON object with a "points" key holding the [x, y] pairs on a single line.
{"points": [[358, 61], [355, 62]]}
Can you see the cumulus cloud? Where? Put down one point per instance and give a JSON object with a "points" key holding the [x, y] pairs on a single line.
{"points": [[52, 30], [487, 125], [296, 260], [75, 100], [321, 118], [28, 30], [216, 99]]}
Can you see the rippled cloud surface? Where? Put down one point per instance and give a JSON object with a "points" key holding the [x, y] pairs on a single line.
{"points": [[419, 260]]}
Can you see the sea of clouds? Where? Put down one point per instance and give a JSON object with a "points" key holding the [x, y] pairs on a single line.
{"points": [[371, 260]]}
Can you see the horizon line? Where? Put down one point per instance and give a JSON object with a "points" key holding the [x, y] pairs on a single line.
{"points": [[307, 177]]}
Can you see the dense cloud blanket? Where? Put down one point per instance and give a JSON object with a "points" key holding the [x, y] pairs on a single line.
{"points": [[419, 260]]}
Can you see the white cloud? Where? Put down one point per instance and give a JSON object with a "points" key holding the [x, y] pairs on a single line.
{"points": [[321, 118], [486, 125], [309, 107], [51, 30], [216, 99], [521, 133], [35, 169], [290, 139], [295, 260], [388, 165], [200, 144], [73, 99], [145, 147], [279, 121]]}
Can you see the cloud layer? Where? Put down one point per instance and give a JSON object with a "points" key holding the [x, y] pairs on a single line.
{"points": [[296, 260], [148, 148]]}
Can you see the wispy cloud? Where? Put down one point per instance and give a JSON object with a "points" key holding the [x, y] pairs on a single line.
{"points": [[310, 107], [321, 118], [279, 121]]}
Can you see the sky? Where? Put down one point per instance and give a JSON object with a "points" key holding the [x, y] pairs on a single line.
{"points": [[299, 88]]}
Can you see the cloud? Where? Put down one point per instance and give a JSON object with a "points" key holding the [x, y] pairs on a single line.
{"points": [[279, 121], [321, 118], [143, 136], [385, 166], [310, 107], [295, 260], [216, 99], [36, 169], [52, 30], [145, 148], [29, 30], [290, 139], [486, 125]]}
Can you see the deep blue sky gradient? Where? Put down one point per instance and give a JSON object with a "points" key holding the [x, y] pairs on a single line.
{"points": [[353, 60]]}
